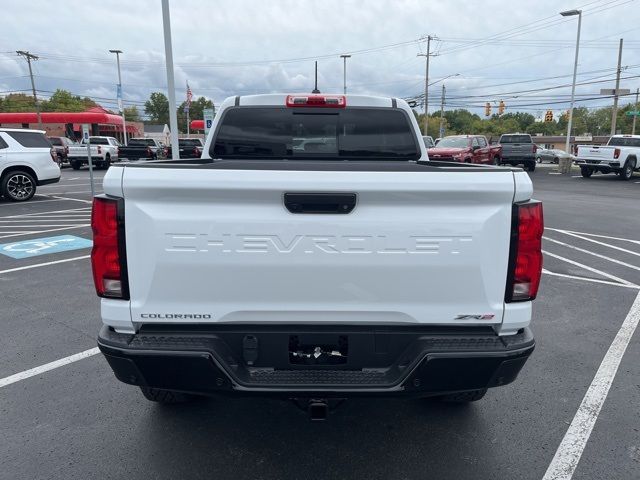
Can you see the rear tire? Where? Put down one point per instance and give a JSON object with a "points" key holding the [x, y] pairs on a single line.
{"points": [[586, 171], [166, 397], [539, 159], [18, 186], [75, 165], [496, 160], [464, 397], [530, 167], [627, 172]]}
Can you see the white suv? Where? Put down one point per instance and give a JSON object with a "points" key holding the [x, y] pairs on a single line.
{"points": [[27, 160]]}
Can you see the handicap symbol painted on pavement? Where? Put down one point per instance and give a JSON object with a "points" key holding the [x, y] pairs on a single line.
{"points": [[43, 246]]}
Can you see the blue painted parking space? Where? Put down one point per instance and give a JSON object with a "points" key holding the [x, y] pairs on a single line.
{"points": [[43, 246]]}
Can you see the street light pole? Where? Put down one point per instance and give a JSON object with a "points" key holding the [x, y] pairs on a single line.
{"points": [[441, 132], [426, 84], [633, 125], [168, 52], [124, 124], [344, 71], [570, 13]]}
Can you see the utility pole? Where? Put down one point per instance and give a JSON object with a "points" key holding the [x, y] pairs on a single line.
{"points": [[344, 71], [426, 84], [29, 56], [120, 107], [633, 125], [441, 132], [168, 53], [614, 113]]}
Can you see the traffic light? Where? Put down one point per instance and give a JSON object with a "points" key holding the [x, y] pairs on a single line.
{"points": [[548, 117], [487, 109], [501, 108]]}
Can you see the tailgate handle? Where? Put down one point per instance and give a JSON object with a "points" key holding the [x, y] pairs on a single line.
{"points": [[336, 203]]}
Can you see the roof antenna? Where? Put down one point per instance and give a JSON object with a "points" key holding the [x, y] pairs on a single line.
{"points": [[315, 90]]}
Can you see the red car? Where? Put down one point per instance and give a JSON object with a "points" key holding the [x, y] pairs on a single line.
{"points": [[466, 149]]}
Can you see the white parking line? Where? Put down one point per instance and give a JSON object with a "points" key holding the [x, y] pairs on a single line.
{"points": [[582, 237], [65, 211], [74, 199], [48, 366], [587, 279], [591, 269], [568, 454], [46, 231], [37, 265], [594, 235], [604, 257], [62, 185]]}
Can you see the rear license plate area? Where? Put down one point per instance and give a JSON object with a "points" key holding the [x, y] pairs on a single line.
{"points": [[315, 349]]}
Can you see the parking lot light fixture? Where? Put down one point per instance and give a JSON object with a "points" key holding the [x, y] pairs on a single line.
{"points": [[124, 125], [570, 13]]}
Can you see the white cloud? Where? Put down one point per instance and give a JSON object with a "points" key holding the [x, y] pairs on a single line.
{"points": [[207, 34]]}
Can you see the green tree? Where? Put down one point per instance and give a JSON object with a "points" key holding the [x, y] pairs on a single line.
{"points": [[132, 114], [195, 111], [18, 102], [65, 101], [157, 108]]}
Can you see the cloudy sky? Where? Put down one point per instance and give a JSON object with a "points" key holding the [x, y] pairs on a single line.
{"points": [[491, 50]]}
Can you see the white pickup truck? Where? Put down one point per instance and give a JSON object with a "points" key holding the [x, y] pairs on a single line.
{"points": [[314, 252], [620, 156], [104, 150]]}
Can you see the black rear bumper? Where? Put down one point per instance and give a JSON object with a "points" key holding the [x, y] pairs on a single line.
{"points": [[281, 360]]}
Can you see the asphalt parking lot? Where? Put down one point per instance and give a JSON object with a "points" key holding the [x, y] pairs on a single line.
{"points": [[78, 421]]}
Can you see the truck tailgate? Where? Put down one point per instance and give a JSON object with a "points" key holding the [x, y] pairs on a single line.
{"points": [[211, 245], [515, 149], [595, 152]]}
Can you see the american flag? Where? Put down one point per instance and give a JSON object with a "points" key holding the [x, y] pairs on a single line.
{"points": [[189, 96]]}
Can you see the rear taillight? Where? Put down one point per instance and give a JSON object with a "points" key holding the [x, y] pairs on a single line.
{"points": [[99, 149], [535, 148], [525, 255], [327, 101], [108, 258], [616, 153], [66, 150], [149, 152], [54, 155], [197, 151]]}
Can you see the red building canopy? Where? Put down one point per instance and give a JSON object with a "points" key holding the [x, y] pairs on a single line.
{"points": [[95, 115]]}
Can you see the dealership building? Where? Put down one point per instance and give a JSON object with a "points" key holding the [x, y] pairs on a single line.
{"points": [[69, 124]]}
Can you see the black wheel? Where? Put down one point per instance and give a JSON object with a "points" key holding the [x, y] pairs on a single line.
{"points": [[586, 171], [627, 172], [167, 397], [18, 186], [496, 160], [530, 167], [464, 397], [556, 160], [107, 162], [539, 159], [75, 165]]}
